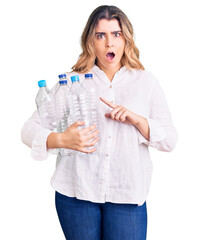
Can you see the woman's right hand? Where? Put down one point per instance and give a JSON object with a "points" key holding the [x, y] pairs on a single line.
{"points": [[79, 139]]}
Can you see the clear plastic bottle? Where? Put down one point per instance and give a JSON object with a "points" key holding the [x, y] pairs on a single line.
{"points": [[61, 103], [62, 108], [93, 96], [80, 106], [46, 106], [73, 101], [93, 100]]}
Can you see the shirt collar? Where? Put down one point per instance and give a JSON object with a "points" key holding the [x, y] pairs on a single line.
{"points": [[98, 70], [101, 74]]}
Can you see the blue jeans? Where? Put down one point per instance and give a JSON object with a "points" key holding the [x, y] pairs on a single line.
{"points": [[85, 220]]}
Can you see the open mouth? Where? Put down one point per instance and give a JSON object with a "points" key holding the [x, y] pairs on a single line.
{"points": [[110, 55]]}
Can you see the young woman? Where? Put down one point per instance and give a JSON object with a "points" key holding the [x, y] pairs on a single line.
{"points": [[104, 197]]}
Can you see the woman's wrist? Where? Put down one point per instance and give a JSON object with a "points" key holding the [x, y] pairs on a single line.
{"points": [[138, 121], [143, 126], [54, 140], [135, 119]]}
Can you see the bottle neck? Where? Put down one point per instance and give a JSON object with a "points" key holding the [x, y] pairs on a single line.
{"points": [[75, 82], [43, 88], [89, 78]]}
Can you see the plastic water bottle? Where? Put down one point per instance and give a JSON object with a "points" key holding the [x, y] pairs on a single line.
{"points": [[46, 106], [93, 96], [62, 110], [73, 101], [85, 107], [93, 99], [62, 107], [79, 105]]}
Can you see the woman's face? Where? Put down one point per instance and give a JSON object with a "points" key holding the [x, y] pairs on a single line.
{"points": [[109, 45]]}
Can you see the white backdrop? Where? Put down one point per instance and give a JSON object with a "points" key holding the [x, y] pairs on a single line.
{"points": [[39, 40]]}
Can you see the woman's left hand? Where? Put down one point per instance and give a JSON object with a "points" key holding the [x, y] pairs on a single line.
{"points": [[120, 113]]}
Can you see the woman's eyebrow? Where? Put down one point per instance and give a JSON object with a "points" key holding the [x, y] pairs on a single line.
{"points": [[100, 33], [118, 31]]}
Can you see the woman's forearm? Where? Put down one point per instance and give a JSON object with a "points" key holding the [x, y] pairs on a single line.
{"points": [[74, 138], [54, 140], [122, 114], [143, 126]]}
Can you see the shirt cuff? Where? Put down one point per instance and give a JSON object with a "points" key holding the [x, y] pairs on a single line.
{"points": [[39, 149], [156, 133]]}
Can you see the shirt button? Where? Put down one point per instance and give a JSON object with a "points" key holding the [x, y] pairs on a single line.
{"points": [[109, 136], [107, 155], [110, 86]]}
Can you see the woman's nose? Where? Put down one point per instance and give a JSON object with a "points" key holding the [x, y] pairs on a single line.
{"points": [[109, 43]]}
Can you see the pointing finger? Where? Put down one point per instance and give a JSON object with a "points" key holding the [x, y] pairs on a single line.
{"points": [[110, 104]]}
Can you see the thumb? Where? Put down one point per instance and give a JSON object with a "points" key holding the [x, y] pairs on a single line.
{"points": [[78, 123]]}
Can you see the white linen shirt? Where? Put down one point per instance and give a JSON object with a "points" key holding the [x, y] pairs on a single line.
{"points": [[121, 170]]}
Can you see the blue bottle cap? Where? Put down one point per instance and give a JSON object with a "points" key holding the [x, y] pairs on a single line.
{"points": [[75, 78], [63, 82], [62, 76], [42, 83], [88, 75]]}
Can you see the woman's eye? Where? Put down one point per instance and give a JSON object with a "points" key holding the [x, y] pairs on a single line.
{"points": [[100, 36], [117, 34]]}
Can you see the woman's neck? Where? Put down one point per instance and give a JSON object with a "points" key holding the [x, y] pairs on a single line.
{"points": [[110, 72]]}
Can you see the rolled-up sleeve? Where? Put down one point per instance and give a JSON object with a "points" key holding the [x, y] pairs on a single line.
{"points": [[163, 135], [35, 136]]}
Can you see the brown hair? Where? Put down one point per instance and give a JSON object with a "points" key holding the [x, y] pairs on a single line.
{"points": [[87, 58]]}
